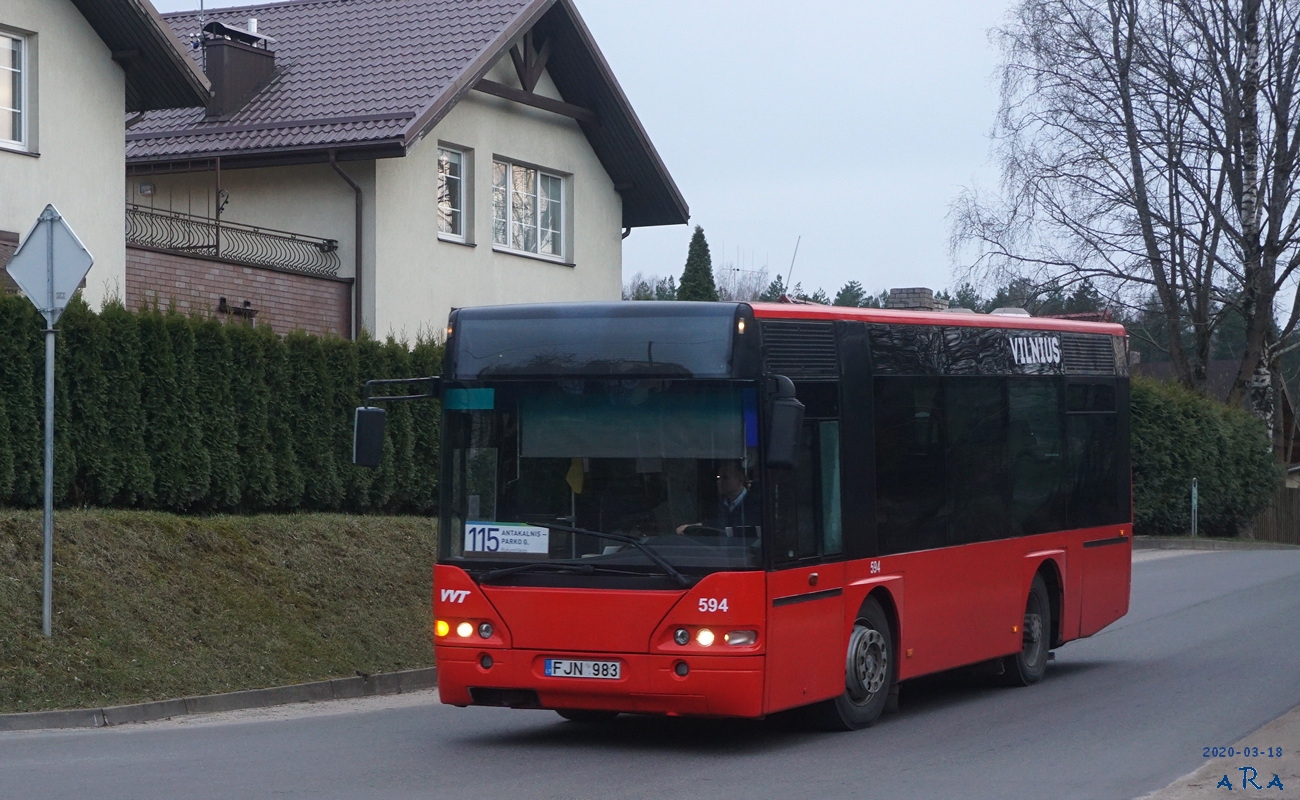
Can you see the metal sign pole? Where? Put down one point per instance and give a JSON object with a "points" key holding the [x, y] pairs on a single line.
{"points": [[47, 606], [49, 482]]}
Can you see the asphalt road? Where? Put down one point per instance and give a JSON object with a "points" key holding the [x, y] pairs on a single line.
{"points": [[1209, 652]]}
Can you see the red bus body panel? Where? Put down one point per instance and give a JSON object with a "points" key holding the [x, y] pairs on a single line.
{"points": [[950, 607]]}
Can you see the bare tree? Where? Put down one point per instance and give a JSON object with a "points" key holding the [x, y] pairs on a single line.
{"points": [[1149, 146]]}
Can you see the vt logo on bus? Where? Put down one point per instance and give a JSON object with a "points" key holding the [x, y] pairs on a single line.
{"points": [[454, 595], [1035, 349]]}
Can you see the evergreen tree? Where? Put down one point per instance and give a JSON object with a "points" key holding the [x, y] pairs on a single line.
{"points": [[131, 471], [81, 350], [310, 402], [774, 291], [851, 295], [341, 364], [197, 460], [819, 297], [697, 279], [259, 487], [666, 288], [426, 359], [164, 429], [22, 362], [371, 363], [280, 411], [213, 369]]}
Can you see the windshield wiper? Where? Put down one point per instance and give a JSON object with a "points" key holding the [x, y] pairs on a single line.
{"points": [[659, 560], [552, 566]]}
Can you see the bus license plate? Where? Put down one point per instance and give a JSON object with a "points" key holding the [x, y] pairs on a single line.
{"points": [[566, 668]]}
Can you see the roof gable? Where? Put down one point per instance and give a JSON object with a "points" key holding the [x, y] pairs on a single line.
{"points": [[370, 78]]}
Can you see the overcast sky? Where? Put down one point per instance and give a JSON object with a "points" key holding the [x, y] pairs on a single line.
{"points": [[850, 124]]}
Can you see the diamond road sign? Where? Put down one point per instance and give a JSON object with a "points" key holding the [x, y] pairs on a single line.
{"points": [[50, 264]]}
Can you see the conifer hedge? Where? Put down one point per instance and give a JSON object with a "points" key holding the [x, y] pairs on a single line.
{"points": [[1179, 435], [156, 410]]}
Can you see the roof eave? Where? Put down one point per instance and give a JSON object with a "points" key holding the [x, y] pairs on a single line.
{"points": [[158, 73]]}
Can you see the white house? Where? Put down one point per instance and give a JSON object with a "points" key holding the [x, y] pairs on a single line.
{"points": [[411, 156], [68, 71]]}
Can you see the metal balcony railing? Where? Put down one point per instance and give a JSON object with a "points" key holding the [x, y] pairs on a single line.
{"points": [[231, 241]]}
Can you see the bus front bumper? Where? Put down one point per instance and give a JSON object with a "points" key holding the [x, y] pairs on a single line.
{"points": [[713, 686]]}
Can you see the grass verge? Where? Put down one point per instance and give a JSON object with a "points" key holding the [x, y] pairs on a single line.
{"points": [[150, 606]]}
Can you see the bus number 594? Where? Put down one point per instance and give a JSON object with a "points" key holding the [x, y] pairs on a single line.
{"points": [[713, 604]]}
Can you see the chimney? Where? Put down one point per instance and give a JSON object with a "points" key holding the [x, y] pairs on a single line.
{"points": [[915, 298], [239, 64]]}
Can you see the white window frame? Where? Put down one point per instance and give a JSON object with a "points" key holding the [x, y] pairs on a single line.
{"points": [[460, 203], [508, 222], [24, 94]]}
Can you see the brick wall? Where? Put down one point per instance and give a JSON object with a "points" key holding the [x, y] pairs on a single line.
{"points": [[284, 300]]}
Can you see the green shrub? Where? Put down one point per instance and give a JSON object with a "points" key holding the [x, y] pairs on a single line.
{"points": [[1179, 435]]}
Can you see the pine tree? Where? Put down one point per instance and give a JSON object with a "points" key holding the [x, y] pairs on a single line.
{"points": [[774, 291], [697, 279], [850, 294]]}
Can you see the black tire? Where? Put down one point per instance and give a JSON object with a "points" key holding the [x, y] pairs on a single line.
{"points": [[585, 715], [1029, 665], [869, 672]]}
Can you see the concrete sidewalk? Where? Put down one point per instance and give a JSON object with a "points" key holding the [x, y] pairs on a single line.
{"points": [[410, 680], [1249, 772]]}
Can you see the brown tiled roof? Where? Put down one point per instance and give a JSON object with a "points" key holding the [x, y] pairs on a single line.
{"points": [[157, 73], [369, 78]]}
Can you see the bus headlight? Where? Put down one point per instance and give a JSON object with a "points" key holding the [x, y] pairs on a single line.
{"points": [[740, 638], [704, 637], [465, 630]]}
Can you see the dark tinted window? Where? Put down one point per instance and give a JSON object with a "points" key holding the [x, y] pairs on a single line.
{"points": [[1036, 448], [977, 463], [659, 339], [911, 497]]}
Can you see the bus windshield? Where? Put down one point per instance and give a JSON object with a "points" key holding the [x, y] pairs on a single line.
{"points": [[602, 476]]}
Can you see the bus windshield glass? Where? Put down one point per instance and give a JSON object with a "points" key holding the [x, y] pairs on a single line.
{"points": [[602, 476]]}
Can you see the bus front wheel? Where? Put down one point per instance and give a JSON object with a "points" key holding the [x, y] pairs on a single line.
{"points": [[868, 673], [1028, 666]]}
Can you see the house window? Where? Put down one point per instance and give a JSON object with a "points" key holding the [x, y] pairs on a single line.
{"points": [[13, 90], [451, 194], [527, 206]]}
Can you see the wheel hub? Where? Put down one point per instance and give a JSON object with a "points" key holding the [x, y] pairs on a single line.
{"points": [[868, 664]]}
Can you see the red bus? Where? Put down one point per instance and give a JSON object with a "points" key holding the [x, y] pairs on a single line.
{"points": [[918, 491]]}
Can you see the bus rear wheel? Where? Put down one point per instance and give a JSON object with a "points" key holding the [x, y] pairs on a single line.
{"points": [[586, 715], [868, 673], [1029, 665]]}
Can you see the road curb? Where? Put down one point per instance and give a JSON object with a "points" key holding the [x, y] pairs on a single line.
{"points": [[409, 680], [1201, 543]]}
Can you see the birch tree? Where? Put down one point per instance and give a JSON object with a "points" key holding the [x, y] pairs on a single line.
{"points": [[1149, 146]]}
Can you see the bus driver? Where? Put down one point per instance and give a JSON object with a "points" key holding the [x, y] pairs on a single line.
{"points": [[737, 506]]}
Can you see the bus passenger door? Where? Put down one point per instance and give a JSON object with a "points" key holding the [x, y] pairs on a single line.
{"points": [[805, 587]]}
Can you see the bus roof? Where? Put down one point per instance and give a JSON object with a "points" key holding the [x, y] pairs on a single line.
{"points": [[799, 311]]}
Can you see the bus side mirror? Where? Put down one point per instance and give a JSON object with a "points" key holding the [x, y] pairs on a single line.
{"points": [[785, 421], [368, 436]]}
